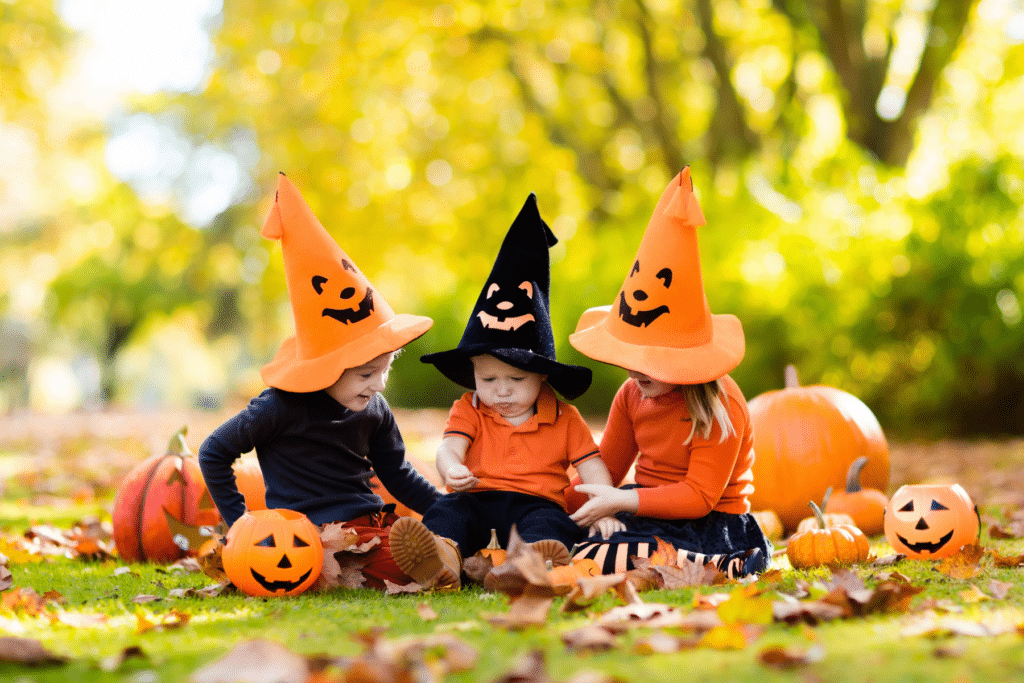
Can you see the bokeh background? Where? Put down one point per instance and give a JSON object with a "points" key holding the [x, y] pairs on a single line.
{"points": [[859, 163]]}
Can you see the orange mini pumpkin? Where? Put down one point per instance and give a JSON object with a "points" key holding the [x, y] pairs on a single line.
{"points": [[832, 546], [825, 520], [805, 439], [865, 506], [927, 521], [494, 551], [163, 511], [273, 552]]}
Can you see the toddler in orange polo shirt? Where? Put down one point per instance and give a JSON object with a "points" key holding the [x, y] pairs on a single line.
{"points": [[508, 444]]}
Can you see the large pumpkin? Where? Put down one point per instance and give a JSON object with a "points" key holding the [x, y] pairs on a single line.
{"points": [[426, 469], [162, 510], [928, 521], [273, 552], [805, 439]]}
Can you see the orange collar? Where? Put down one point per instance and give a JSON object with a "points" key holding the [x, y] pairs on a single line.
{"points": [[545, 410]]}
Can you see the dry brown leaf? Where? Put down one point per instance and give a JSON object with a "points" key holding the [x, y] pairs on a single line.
{"points": [[523, 572], [771, 577], [779, 657], [1004, 561], [255, 661], [212, 564], [115, 661], [964, 563], [476, 568], [1014, 530], [146, 598], [643, 578], [644, 614], [336, 537], [25, 601], [889, 560], [811, 612], [396, 589], [999, 589], [526, 611], [663, 643], [340, 570], [589, 589], [26, 651], [685, 574], [951, 650], [78, 619], [426, 612], [6, 578], [973, 595], [590, 638], [529, 668]]}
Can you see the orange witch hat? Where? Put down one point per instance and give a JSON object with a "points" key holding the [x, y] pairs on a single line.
{"points": [[661, 324], [341, 321]]}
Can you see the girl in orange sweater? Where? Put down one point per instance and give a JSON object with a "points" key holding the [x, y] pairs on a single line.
{"points": [[679, 416]]}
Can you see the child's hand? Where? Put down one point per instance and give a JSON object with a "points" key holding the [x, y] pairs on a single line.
{"points": [[604, 501], [606, 526], [459, 478]]}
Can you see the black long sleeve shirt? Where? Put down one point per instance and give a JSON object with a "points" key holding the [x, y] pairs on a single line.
{"points": [[317, 457]]}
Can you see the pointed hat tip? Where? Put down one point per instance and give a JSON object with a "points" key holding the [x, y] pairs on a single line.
{"points": [[684, 206]]}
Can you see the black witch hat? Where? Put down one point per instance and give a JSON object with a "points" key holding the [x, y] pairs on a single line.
{"points": [[510, 320]]}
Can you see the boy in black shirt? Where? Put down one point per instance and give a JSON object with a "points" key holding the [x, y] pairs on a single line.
{"points": [[322, 428]]}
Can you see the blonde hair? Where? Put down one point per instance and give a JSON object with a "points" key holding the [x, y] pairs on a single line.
{"points": [[705, 404]]}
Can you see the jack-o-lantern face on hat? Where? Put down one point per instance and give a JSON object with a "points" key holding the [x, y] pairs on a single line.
{"points": [[507, 308], [273, 552], [347, 294], [646, 296], [925, 521]]}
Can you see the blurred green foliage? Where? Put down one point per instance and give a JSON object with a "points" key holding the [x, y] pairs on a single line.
{"points": [[857, 163]]}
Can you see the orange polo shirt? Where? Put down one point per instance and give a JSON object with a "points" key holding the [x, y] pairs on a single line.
{"points": [[680, 481], [529, 458]]}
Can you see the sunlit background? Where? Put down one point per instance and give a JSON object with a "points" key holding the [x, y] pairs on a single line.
{"points": [[877, 250]]}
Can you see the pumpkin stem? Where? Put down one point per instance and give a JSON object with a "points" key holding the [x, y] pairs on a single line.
{"points": [[853, 474], [493, 544], [792, 379], [824, 499], [817, 513], [177, 445]]}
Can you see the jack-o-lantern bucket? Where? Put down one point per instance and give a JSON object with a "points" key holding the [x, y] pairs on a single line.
{"points": [[273, 552], [163, 511], [927, 521]]}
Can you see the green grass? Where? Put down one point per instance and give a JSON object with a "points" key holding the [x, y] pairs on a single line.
{"points": [[859, 649]]}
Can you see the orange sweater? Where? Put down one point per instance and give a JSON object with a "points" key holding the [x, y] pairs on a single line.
{"points": [[679, 481]]}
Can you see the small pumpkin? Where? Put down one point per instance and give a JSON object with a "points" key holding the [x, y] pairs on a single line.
{"points": [[770, 524], [927, 521], [805, 439], [273, 552], [565, 577], [493, 550], [830, 520], [162, 511], [865, 505], [827, 546]]}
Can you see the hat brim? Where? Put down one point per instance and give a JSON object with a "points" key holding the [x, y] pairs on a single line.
{"points": [[686, 365], [570, 381], [290, 373]]}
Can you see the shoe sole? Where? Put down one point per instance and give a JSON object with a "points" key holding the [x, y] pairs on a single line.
{"points": [[415, 550]]}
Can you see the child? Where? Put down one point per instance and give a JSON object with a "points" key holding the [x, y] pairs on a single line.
{"points": [[679, 409], [507, 445], [322, 428]]}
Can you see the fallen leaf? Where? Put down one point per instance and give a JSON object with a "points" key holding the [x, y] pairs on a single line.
{"points": [[746, 606], [685, 574], [999, 589], [340, 570], [145, 599], [973, 595], [951, 650], [889, 560], [426, 612], [523, 572], [26, 651], [1015, 530], [964, 563], [114, 662], [526, 611], [6, 578], [779, 657], [529, 668], [336, 536], [590, 638], [396, 589], [734, 636], [589, 589], [78, 619], [662, 643], [476, 568], [171, 620], [1004, 561], [255, 661]]}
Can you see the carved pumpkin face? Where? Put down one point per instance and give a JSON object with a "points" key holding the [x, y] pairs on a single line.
{"points": [[643, 298], [273, 552], [507, 308], [930, 521], [353, 307]]}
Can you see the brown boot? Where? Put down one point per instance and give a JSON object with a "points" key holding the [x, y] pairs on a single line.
{"points": [[552, 551], [430, 560]]}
